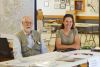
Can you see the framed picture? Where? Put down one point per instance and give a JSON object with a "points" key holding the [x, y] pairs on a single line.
{"points": [[46, 4], [72, 7], [80, 5], [63, 1], [67, 2], [72, 2], [67, 8], [93, 6], [62, 6]]}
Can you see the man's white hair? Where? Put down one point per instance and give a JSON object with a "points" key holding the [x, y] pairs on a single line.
{"points": [[26, 18]]}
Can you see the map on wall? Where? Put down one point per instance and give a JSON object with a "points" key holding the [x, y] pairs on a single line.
{"points": [[11, 12]]}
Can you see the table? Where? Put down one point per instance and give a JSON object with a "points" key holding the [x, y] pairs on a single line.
{"points": [[84, 26], [50, 59]]}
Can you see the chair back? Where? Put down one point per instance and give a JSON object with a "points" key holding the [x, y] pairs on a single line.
{"points": [[4, 47]]}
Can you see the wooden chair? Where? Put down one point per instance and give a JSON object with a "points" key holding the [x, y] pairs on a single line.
{"points": [[6, 52]]}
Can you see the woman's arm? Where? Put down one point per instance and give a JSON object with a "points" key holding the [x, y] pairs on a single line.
{"points": [[76, 42], [75, 45]]}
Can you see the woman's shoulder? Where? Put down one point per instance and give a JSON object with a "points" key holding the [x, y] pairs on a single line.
{"points": [[34, 31], [59, 31], [75, 29]]}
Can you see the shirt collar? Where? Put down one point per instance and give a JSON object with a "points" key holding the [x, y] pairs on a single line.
{"points": [[27, 34]]}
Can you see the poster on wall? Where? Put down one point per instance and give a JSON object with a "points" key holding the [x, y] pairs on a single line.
{"points": [[46, 3], [67, 8], [62, 6], [93, 6], [56, 4], [72, 8], [80, 5], [67, 2], [70, 5], [62, 1]]}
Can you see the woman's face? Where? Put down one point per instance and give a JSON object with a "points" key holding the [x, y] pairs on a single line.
{"points": [[68, 23]]}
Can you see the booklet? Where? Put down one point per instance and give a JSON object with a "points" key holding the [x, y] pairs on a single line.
{"points": [[69, 59]]}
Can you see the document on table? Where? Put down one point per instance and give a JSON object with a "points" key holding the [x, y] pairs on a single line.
{"points": [[69, 59], [94, 61], [24, 63]]}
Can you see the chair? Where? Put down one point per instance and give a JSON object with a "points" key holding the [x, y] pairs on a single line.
{"points": [[5, 51], [44, 49]]}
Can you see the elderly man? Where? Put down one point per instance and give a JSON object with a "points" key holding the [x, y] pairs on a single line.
{"points": [[30, 40]]}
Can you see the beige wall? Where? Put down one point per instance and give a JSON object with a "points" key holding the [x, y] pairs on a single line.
{"points": [[51, 11], [11, 12]]}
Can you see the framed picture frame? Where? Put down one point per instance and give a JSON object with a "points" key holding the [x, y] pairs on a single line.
{"points": [[80, 5], [46, 3], [93, 6], [63, 6], [67, 8], [63, 1], [67, 2], [72, 7]]}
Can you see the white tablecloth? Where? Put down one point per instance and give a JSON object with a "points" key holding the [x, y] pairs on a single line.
{"points": [[52, 59]]}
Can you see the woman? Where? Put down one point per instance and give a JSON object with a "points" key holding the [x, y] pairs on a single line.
{"points": [[67, 37]]}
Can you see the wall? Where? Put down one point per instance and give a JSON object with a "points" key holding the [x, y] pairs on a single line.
{"points": [[51, 11], [11, 12], [89, 10]]}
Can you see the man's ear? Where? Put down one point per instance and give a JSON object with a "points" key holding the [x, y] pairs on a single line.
{"points": [[22, 22]]}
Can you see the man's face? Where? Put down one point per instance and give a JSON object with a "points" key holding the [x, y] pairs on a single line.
{"points": [[27, 25]]}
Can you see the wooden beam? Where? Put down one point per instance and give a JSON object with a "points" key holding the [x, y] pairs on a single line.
{"points": [[53, 16], [88, 17], [77, 17]]}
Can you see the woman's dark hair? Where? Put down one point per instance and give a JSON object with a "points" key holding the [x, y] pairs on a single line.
{"points": [[65, 16]]}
